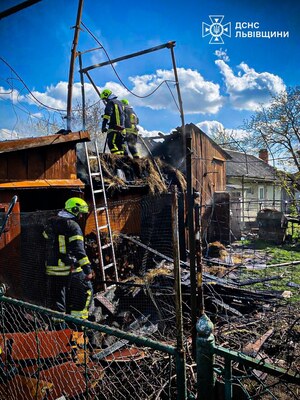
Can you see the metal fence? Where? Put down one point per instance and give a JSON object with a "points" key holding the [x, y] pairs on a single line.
{"points": [[130, 351], [38, 362]]}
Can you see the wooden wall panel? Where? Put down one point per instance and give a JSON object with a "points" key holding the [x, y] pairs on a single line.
{"points": [[60, 163], [208, 167], [125, 218], [68, 167], [53, 163], [36, 164], [3, 166], [17, 166]]}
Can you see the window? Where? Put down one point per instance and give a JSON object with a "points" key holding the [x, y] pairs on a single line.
{"points": [[261, 193]]}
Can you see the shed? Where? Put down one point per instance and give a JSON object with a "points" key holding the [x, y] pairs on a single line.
{"points": [[42, 172], [209, 175]]}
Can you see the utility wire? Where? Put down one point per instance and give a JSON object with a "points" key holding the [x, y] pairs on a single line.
{"points": [[116, 73], [30, 92]]}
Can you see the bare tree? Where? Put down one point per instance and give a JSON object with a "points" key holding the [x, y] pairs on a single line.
{"points": [[225, 138], [277, 127], [93, 116], [51, 123]]}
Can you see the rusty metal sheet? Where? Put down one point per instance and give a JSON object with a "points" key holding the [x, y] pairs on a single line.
{"points": [[33, 345], [28, 143], [43, 183], [67, 379], [126, 355], [22, 387]]}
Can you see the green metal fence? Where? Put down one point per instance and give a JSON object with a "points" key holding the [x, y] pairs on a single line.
{"points": [[40, 362], [227, 374], [252, 367]]}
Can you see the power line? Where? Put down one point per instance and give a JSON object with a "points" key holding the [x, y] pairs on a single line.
{"points": [[116, 73], [29, 91]]}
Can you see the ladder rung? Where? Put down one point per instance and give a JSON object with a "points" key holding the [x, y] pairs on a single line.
{"points": [[103, 227], [92, 157], [108, 266], [95, 173], [98, 191], [106, 246], [101, 208]]}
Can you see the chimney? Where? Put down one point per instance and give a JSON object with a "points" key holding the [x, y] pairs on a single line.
{"points": [[264, 155]]}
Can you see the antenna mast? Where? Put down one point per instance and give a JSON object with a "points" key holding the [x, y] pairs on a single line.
{"points": [[72, 63]]}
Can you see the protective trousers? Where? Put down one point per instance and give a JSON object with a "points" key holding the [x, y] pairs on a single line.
{"points": [[131, 139], [70, 294], [115, 141]]}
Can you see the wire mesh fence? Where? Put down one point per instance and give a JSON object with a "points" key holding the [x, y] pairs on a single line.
{"points": [[42, 359], [251, 286]]}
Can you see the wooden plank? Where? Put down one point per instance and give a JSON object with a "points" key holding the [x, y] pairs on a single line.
{"points": [[253, 348], [36, 164], [43, 183], [3, 167], [68, 162], [53, 163], [17, 167], [28, 143]]}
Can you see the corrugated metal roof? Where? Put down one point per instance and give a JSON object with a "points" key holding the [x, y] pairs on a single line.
{"points": [[28, 143], [246, 165]]}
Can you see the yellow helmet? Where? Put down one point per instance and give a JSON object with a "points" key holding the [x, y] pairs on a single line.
{"points": [[75, 206], [125, 102], [105, 94]]}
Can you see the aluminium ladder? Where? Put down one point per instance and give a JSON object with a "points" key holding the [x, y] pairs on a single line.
{"points": [[112, 266]]}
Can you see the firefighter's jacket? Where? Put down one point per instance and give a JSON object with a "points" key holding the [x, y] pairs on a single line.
{"points": [[131, 120], [65, 250], [113, 115]]}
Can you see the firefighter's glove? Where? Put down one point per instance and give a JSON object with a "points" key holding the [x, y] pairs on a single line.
{"points": [[104, 130], [89, 277]]}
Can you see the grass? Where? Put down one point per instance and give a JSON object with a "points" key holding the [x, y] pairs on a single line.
{"points": [[276, 254]]}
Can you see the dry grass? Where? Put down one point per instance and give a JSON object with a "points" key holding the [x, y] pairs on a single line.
{"points": [[138, 172]]}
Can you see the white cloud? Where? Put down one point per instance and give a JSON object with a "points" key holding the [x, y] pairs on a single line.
{"points": [[7, 134], [10, 94], [212, 127], [222, 55], [145, 133], [198, 95], [55, 96], [249, 88], [209, 127]]}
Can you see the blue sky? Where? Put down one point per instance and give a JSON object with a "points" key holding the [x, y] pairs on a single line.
{"points": [[221, 84]]}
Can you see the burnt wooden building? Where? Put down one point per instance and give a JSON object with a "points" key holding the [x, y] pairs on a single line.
{"points": [[208, 176]]}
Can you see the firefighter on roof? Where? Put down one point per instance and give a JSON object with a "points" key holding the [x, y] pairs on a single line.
{"points": [[68, 268], [115, 119], [131, 121]]}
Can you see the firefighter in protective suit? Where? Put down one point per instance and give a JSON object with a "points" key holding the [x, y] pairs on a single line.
{"points": [[115, 119], [131, 121], [68, 268]]}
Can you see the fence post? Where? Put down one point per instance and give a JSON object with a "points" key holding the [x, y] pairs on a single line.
{"points": [[228, 379], [180, 355], [205, 358]]}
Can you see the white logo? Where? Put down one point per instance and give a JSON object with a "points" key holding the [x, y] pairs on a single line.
{"points": [[216, 29]]}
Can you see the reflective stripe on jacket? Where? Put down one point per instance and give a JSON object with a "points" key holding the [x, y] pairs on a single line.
{"points": [[113, 115], [131, 120], [65, 250]]}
